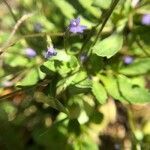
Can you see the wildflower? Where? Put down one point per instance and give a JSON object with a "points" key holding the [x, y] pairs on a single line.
{"points": [[75, 26], [50, 52], [146, 19], [134, 3], [30, 52], [128, 59]]}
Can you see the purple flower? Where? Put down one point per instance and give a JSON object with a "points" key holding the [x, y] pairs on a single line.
{"points": [[50, 52], [75, 26], [30, 52], [128, 59], [146, 19]]}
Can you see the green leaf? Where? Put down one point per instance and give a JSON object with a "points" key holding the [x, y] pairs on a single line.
{"points": [[131, 92], [65, 63], [140, 66], [62, 56], [145, 9], [74, 106], [62, 68], [111, 86], [109, 46], [62, 63], [74, 111], [87, 4], [64, 83], [82, 80], [48, 67], [50, 137], [97, 117], [41, 74], [105, 4], [99, 92], [51, 101], [74, 126], [16, 60], [86, 143], [66, 8], [31, 78]]}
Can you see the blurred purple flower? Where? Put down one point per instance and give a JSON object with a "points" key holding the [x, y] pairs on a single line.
{"points": [[128, 59], [75, 26], [50, 52], [146, 19], [30, 52]]}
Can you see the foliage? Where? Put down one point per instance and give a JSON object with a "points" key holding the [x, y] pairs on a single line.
{"points": [[68, 89]]}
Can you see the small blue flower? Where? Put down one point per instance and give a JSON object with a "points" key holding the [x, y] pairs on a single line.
{"points": [[75, 26], [128, 59], [30, 52], [50, 52], [146, 19]]}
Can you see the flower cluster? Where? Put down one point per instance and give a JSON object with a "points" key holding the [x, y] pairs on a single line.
{"points": [[74, 27]]}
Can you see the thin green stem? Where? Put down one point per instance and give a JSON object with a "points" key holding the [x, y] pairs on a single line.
{"points": [[42, 34], [66, 36], [112, 7], [28, 36], [89, 35]]}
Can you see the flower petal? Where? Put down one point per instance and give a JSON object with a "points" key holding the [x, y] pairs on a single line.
{"points": [[74, 22], [73, 29], [50, 52], [77, 21], [146, 19]]}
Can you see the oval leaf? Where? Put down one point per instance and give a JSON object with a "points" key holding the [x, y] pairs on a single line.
{"points": [[99, 92], [111, 86], [132, 93], [105, 4], [31, 78], [140, 66], [109, 46]]}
